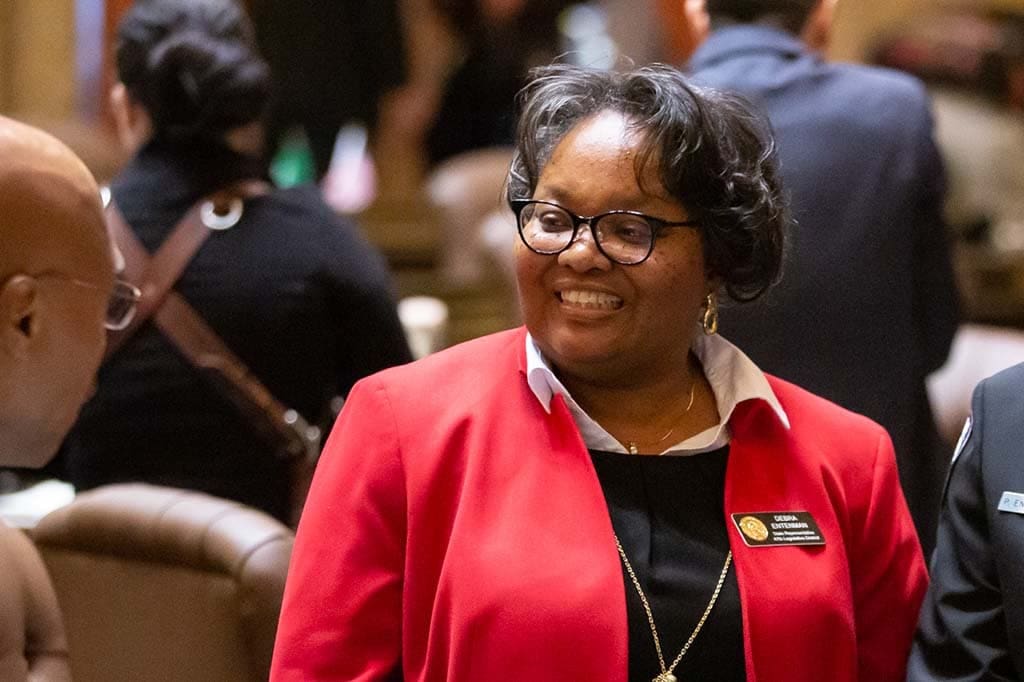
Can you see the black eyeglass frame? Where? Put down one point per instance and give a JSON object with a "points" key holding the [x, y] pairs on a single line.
{"points": [[657, 225]]}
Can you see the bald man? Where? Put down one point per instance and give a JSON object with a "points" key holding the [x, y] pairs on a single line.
{"points": [[57, 294], [56, 285]]}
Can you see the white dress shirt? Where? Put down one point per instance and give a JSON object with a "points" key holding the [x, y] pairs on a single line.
{"points": [[732, 375]]}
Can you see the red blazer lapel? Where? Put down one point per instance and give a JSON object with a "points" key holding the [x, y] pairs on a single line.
{"points": [[796, 599]]}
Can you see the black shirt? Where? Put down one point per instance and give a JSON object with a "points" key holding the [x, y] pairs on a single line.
{"points": [[668, 512], [293, 290]]}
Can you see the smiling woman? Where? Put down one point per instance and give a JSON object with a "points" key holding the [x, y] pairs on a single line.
{"points": [[499, 518]]}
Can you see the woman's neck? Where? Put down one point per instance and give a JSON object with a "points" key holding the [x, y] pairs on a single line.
{"points": [[644, 411], [247, 140]]}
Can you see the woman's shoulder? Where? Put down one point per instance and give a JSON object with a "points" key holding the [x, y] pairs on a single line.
{"points": [[300, 213], [830, 441], [301, 203], [465, 373], [811, 415], [463, 364], [299, 217]]}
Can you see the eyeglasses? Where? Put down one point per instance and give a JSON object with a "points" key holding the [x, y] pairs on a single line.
{"points": [[625, 237], [121, 305]]}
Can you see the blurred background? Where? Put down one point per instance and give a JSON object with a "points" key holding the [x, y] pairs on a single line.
{"points": [[406, 83]]}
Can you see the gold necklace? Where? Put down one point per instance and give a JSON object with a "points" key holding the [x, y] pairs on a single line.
{"points": [[631, 445], [666, 673]]}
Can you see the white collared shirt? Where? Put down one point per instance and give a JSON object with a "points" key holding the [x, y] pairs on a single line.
{"points": [[732, 375]]}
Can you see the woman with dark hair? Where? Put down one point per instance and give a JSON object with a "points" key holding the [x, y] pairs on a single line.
{"points": [[613, 492], [291, 289]]}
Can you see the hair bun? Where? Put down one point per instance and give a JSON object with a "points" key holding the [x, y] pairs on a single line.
{"points": [[200, 85]]}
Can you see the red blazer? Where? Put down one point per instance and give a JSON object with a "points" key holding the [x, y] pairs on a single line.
{"points": [[458, 530]]}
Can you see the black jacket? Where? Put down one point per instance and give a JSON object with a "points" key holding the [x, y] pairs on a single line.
{"points": [[293, 290], [972, 619]]}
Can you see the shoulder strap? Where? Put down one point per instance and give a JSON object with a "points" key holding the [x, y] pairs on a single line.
{"points": [[186, 328], [197, 341], [157, 274]]}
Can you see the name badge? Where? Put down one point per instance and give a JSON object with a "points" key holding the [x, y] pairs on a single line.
{"points": [[773, 529], [1012, 502]]}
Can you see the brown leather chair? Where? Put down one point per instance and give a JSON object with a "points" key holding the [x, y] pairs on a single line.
{"points": [[32, 642], [160, 584]]}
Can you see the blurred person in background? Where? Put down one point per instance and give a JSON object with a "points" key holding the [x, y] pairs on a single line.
{"points": [[293, 290], [332, 61], [868, 304], [58, 296], [501, 41], [614, 491], [469, 142]]}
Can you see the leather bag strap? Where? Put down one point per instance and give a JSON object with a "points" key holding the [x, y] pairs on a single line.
{"points": [[156, 275], [153, 275], [204, 348], [187, 329]]}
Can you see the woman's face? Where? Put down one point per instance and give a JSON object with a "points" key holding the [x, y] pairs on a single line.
{"points": [[595, 319]]}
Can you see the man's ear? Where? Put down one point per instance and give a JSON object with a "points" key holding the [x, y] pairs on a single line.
{"points": [[817, 32], [698, 22], [18, 310]]}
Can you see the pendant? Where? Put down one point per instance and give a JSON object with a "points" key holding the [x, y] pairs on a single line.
{"points": [[665, 677]]}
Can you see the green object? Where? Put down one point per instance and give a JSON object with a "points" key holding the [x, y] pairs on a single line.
{"points": [[293, 163]]}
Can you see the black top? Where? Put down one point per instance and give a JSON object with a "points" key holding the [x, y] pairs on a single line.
{"points": [[292, 289], [668, 512]]}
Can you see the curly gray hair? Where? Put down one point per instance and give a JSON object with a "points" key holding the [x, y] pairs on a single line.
{"points": [[715, 155]]}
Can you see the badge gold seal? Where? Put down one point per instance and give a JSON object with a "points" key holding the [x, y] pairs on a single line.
{"points": [[753, 528]]}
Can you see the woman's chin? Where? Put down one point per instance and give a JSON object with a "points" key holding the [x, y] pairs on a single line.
{"points": [[579, 357]]}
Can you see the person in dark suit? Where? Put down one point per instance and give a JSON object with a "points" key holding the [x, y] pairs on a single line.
{"points": [[972, 619], [868, 304]]}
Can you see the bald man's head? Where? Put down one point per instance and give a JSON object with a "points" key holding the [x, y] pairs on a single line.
{"points": [[56, 277], [50, 208]]}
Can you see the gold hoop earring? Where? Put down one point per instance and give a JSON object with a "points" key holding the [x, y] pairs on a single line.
{"points": [[710, 320]]}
